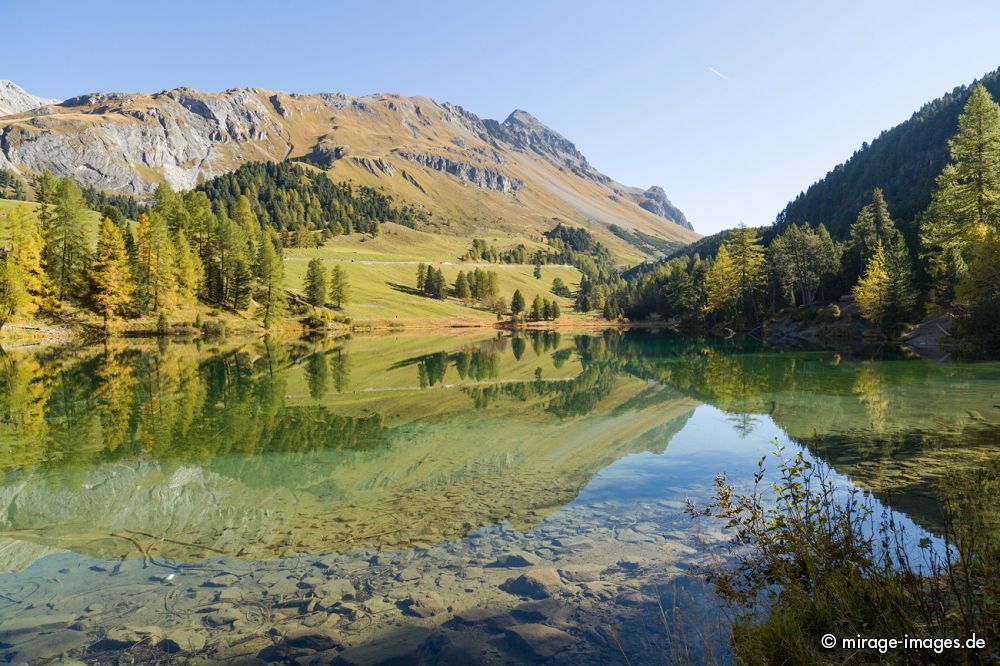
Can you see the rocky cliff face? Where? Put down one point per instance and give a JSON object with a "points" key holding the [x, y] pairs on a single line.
{"points": [[411, 146], [13, 99], [656, 202]]}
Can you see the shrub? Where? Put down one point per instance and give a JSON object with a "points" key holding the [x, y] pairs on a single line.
{"points": [[821, 560]]}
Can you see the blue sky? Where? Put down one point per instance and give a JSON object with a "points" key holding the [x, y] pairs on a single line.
{"points": [[733, 107]]}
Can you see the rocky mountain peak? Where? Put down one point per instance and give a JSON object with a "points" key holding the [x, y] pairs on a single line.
{"points": [[14, 99], [528, 133], [655, 201]]}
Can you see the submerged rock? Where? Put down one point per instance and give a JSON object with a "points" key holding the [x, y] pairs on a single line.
{"points": [[541, 641], [537, 584]]}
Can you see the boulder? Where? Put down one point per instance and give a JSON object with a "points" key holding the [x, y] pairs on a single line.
{"points": [[541, 641], [537, 584]]}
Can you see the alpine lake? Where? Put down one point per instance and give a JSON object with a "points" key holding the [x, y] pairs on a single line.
{"points": [[455, 498]]}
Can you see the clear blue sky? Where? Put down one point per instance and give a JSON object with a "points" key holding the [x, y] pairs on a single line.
{"points": [[797, 86]]}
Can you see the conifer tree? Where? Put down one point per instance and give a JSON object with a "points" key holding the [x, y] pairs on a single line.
{"points": [[556, 310], [462, 290], [156, 276], [873, 227], [339, 287], [14, 297], [537, 306], [870, 292], [721, 282], [885, 293], [66, 249], [188, 269], [802, 257], [26, 248], [517, 303], [316, 284], [271, 275], [110, 273], [421, 277], [45, 195], [965, 203]]}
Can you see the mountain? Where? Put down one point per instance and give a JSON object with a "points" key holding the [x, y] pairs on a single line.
{"points": [[13, 99], [471, 174], [904, 161]]}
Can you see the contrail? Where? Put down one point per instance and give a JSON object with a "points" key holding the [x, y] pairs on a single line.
{"points": [[718, 73]]}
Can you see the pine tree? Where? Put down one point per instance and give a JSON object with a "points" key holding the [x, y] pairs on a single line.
{"points": [[462, 290], [873, 227], [421, 277], [45, 195], [339, 287], [110, 274], [537, 306], [802, 257], [966, 201], [538, 267], [271, 275], [440, 290], [316, 284], [556, 310], [517, 303]]}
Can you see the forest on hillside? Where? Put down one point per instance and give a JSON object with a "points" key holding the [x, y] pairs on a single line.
{"points": [[747, 275]]}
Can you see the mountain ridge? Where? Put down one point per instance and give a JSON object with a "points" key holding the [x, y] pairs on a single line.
{"points": [[15, 99], [520, 171]]}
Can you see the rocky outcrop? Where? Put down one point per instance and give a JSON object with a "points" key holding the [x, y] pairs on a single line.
{"points": [[375, 166], [14, 99], [480, 176], [656, 202]]}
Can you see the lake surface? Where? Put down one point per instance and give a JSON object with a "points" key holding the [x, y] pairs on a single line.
{"points": [[430, 499]]}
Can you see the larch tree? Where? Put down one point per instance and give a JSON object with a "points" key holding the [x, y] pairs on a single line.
{"points": [[316, 284], [885, 293], [871, 291], [462, 290], [722, 283], [110, 273], [66, 248], [156, 276], [537, 307], [45, 195], [339, 287], [14, 297], [189, 272], [26, 251], [965, 203], [271, 276]]}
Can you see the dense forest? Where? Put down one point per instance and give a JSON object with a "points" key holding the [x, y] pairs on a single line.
{"points": [[293, 198], [903, 161], [743, 276]]}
